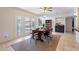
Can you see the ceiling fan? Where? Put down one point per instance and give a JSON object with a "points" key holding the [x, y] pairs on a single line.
{"points": [[46, 9]]}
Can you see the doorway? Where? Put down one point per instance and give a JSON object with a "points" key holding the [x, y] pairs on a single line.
{"points": [[70, 24]]}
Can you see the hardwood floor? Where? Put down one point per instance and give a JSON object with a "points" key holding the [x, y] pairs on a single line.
{"points": [[32, 45], [67, 42]]}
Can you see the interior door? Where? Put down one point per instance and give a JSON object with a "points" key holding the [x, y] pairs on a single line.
{"points": [[69, 24]]}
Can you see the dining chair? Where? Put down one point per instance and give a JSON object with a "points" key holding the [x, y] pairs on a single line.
{"points": [[34, 35]]}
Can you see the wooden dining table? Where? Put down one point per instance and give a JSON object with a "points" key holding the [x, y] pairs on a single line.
{"points": [[39, 33]]}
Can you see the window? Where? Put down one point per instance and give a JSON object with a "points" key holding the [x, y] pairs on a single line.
{"points": [[33, 23], [27, 24], [19, 24]]}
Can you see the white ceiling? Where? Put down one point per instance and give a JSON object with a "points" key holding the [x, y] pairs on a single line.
{"points": [[56, 10]]}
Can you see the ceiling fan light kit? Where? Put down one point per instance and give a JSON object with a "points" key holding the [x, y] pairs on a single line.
{"points": [[46, 9]]}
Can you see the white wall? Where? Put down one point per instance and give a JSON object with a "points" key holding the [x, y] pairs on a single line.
{"points": [[77, 27], [77, 24], [8, 22]]}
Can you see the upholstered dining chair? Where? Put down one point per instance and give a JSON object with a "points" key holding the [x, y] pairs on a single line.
{"points": [[34, 35]]}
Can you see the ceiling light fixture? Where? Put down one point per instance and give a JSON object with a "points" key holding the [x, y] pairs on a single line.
{"points": [[46, 9]]}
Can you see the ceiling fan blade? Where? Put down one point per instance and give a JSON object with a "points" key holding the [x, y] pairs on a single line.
{"points": [[49, 7], [49, 10]]}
